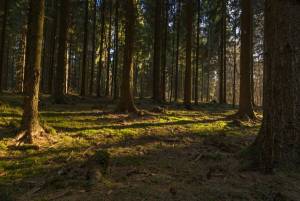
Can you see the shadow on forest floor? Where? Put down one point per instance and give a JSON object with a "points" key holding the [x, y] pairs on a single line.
{"points": [[174, 155]]}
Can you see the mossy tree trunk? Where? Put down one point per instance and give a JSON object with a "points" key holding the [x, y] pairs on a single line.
{"points": [[31, 128], [126, 101]]}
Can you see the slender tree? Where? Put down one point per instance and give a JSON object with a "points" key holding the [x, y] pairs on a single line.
{"points": [[85, 50], [108, 51], [245, 106], [101, 49], [93, 48], [126, 101], [4, 11], [177, 51], [116, 56], [196, 92], [31, 128], [188, 63], [157, 51], [62, 60]]}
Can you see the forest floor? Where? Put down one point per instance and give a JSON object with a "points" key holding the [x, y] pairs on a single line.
{"points": [[170, 154]]}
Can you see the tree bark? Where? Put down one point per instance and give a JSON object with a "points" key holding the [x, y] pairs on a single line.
{"points": [[157, 52], [85, 49], [93, 48], [108, 52], [4, 10], [60, 83], [126, 101], [188, 63], [177, 52], [31, 128], [245, 105], [101, 48], [278, 141]]}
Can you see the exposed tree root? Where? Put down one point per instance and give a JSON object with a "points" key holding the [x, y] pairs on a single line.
{"points": [[36, 136]]}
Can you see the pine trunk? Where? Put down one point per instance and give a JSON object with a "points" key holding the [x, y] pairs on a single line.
{"points": [[31, 128], [126, 101]]}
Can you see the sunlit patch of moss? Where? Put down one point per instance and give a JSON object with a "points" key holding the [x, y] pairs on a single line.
{"points": [[214, 127]]}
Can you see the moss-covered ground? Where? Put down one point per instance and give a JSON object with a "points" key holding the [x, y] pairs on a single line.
{"points": [[176, 154]]}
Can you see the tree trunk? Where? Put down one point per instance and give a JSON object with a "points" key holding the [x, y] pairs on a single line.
{"points": [[93, 48], [126, 101], [85, 50], [245, 106], [116, 59], [60, 83], [197, 54], [101, 48], [278, 141], [157, 52], [3, 10], [188, 63], [31, 128], [52, 47], [164, 51], [222, 73], [108, 52], [177, 52]]}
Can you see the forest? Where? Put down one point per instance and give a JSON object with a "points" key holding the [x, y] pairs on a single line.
{"points": [[149, 100]]}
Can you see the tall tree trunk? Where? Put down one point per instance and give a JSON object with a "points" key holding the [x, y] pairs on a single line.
{"points": [[85, 51], [52, 47], [234, 70], [116, 58], [164, 51], [21, 61], [188, 63], [197, 54], [222, 73], [177, 52], [60, 83], [93, 48], [157, 52], [108, 52], [3, 10], [126, 101], [31, 128], [245, 106], [278, 141], [101, 49]]}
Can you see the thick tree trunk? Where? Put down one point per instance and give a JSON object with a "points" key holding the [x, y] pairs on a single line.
{"points": [[31, 128], [188, 63], [245, 106], [126, 101], [60, 83], [85, 50], [3, 10], [278, 141], [157, 52]]}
